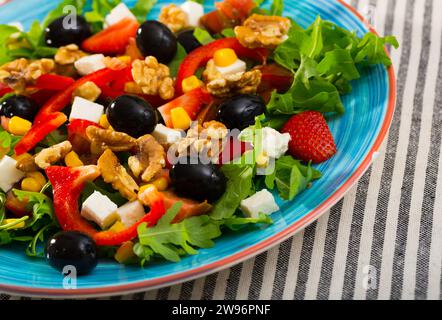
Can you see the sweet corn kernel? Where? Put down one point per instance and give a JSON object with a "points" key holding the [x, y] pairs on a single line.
{"points": [[125, 59], [117, 227], [104, 122], [125, 253], [225, 57], [38, 176], [161, 184], [180, 118], [262, 160], [16, 226], [145, 187], [191, 83], [19, 126], [30, 184], [72, 160], [21, 157]]}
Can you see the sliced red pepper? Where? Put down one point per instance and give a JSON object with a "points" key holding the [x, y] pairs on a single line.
{"points": [[192, 102], [112, 40], [4, 89], [77, 135], [68, 183], [200, 56], [49, 116], [53, 82]]}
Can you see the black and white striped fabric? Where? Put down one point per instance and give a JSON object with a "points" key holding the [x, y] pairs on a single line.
{"points": [[384, 239]]}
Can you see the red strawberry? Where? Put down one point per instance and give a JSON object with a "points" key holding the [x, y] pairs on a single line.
{"points": [[311, 138]]}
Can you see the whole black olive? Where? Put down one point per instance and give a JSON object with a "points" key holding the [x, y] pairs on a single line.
{"points": [[72, 248], [155, 39], [239, 112], [66, 30], [132, 115], [195, 180], [20, 106], [188, 40]]}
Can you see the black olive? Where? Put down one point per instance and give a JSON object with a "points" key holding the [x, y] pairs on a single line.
{"points": [[239, 112], [195, 180], [188, 40], [20, 106], [72, 248], [132, 115], [155, 39], [66, 30]]}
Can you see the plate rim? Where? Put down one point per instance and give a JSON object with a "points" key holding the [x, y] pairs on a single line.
{"points": [[247, 253]]}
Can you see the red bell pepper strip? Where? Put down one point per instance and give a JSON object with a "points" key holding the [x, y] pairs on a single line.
{"points": [[68, 183], [49, 116], [112, 40], [192, 102], [53, 82], [77, 135], [200, 56], [4, 89]]}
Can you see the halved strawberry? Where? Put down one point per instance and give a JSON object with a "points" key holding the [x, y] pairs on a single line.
{"points": [[112, 40], [311, 139]]}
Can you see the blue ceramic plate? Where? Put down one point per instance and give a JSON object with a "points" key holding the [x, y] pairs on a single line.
{"points": [[358, 134]]}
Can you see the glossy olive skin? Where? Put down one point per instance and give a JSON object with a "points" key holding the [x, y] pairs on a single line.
{"points": [[198, 181], [155, 39], [20, 106], [58, 33], [132, 115], [239, 112], [188, 41], [72, 248]]}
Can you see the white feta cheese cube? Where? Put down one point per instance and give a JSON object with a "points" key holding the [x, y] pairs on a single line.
{"points": [[165, 135], [117, 14], [261, 202], [274, 143], [90, 64], [130, 213], [194, 12], [86, 110], [9, 173], [236, 67], [99, 209]]}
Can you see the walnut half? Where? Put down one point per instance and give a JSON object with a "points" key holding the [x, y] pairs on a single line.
{"points": [[114, 173], [51, 155], [102, 139]]}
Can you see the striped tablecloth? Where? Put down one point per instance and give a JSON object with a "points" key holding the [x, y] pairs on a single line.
{"points": [[384, 239]]}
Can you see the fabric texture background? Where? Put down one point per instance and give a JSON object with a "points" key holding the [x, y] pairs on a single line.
{"points": [[384, 239]]}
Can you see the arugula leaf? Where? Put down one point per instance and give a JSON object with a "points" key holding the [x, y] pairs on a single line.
{"points": [[6, 32], [228, 33], [174, 65], [338, 62], [102, 187], [62, 9], [165, 239], [2, 206], [236, 223], [372, 49], [291, 177], [42, 208], [202, 36], [7, 142], [277, 8], [142, 8]]}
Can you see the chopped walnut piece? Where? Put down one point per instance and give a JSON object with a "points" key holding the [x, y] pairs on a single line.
{"points": [[260, 31], [114, 63], [68, 54], [27, 165], [153, 78], [89, 91], [21, 72], [227, 85], [103, 139], [174, 18], [51, 155], [114, 173], [149, 159]]}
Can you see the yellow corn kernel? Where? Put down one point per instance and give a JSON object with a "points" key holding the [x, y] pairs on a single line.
{"points": [[30, 184], [125, 253], [161, 184], [262, 160], [104, 122], [180, 118], [145, 187], [37, 176], [225, 57], [191, 83], [125, 59], [19, 126], [21, 157], [72, 160], [117, 227], [16, 226]]}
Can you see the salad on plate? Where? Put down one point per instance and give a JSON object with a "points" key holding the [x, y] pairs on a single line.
{"points": [[143, 140]]}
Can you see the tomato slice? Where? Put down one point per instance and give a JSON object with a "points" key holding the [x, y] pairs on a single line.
{"points": [[112, 40], [192, 102]]}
